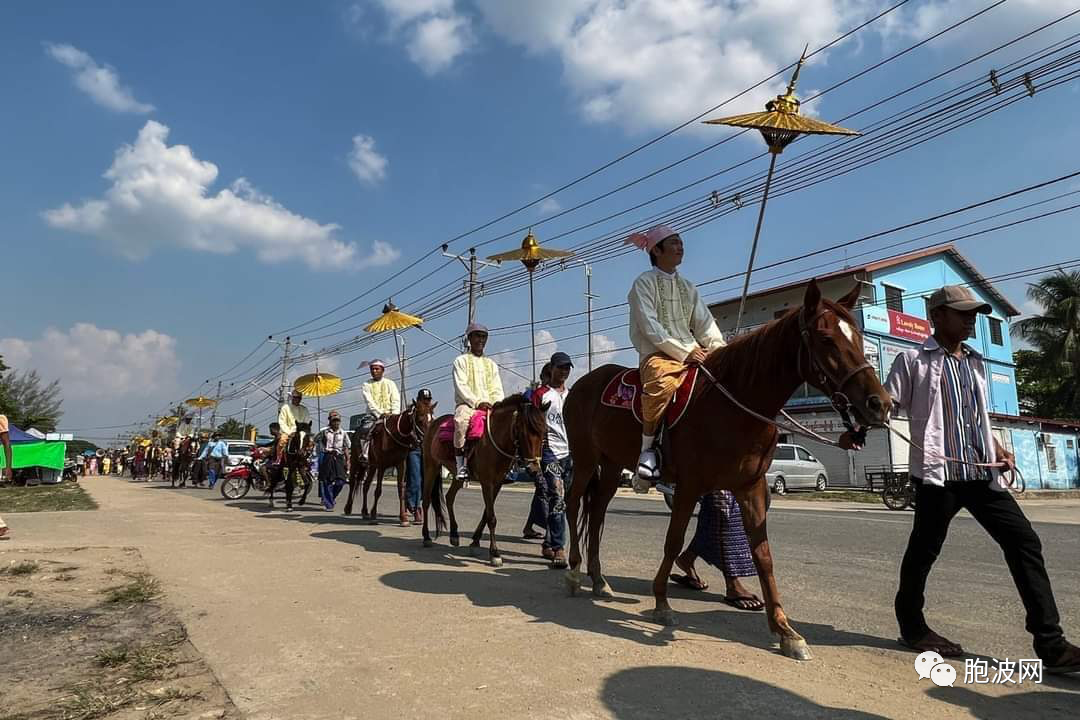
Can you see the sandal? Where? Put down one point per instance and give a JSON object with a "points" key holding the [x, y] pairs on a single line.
{"points": [[692, 583], [532, 535], [932, 641], [745, 602]]}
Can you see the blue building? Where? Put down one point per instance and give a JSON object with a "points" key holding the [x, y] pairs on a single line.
{"points": [[893, 316]]}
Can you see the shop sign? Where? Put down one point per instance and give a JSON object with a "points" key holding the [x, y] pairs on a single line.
{"points": [[908, 327]]}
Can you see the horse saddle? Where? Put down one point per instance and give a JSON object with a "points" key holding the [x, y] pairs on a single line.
{"points": [[624, 392], [477, 427]]}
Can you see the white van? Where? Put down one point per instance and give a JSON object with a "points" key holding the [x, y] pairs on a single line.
{"points": [[794, 468]]}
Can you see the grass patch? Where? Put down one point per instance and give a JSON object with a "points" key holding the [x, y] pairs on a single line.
{"points": [[143, 587], [112, 657], [45, 498], [859, 496], [24, 567]]}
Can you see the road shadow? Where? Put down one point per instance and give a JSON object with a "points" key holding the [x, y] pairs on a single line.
{"points": [[648, 693], [1020, 704], [627, 618], [411, 548]]}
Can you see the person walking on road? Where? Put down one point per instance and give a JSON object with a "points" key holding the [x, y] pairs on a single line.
{"points": [[414, 471], [538, 510], [5, 441], [555, 461], [218, 459], [720, 540], [941, 386], [333, 445]]}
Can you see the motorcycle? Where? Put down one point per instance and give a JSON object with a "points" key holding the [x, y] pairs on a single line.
{"points": [[250, 473]]}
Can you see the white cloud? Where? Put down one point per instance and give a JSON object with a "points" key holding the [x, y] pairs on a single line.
{"points": [[603, 349], [656, 63], [548, 206], [104, 374], [932, 16], [434, 31], [545, 346], [367, 164], [161, 196], [100, 82]]}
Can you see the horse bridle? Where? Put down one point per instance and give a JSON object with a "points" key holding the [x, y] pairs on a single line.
{"points": [[516, 456], [415, 440], [823, 378]]}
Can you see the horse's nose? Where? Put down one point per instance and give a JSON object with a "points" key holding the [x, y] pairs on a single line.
{"points": [[876, 407]]}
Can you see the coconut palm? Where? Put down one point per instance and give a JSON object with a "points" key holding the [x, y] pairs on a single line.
{"points": [[1055, 334]]}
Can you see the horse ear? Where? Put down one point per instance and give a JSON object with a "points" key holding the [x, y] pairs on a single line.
{"points": [[812, 298], [434, 405], [850, 300]]}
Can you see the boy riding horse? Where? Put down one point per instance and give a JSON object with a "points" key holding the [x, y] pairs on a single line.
{"points": [[477, 386], [672, 329]]}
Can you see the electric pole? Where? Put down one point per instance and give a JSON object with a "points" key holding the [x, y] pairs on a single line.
{"points": [[286, 345], [588, 309], [213, 415], [472, 265]]}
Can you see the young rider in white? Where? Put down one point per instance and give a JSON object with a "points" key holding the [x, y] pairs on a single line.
{"points": [[477, 386]]}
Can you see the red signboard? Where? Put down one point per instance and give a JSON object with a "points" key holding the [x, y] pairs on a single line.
{"points": [[908, 326]]}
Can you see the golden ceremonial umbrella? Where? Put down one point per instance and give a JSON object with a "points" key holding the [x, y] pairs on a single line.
{"points": [[531, 255], [318, 385], [780, 124], [393, 320], [200, 401], [167, 420]]}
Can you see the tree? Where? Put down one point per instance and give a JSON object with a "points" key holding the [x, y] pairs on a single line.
{"points": [[1051, 372], [28, 402], [232, 428]]}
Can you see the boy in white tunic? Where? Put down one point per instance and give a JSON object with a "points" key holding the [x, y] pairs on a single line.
{"points": [[477, 386], [381, 394], [671, 328]]}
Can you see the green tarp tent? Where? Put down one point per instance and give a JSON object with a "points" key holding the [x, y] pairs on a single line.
{"points": [[37, 454]]}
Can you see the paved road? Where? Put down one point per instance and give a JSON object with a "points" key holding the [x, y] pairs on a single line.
{"points": [[314, 615]]}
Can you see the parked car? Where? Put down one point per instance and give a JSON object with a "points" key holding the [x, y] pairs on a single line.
{"points": [[794, 468], [239, 450]]}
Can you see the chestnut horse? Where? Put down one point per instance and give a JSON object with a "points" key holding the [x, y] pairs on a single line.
{"points": [[515, 433], [185, 458], [392, 439], [716, 444]]}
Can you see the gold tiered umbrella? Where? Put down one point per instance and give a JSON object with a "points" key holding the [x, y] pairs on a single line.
{"points": [[167, 421], [200, 401], [318, 385], [393, 320], [531, 255], [780, 124]]}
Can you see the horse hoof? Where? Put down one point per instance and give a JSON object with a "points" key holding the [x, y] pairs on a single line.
{"points": [[573, 582], [404, 522], [795, 648], [428, 542], [602, 590], [496, 561], [665, 617], [455, 540]]}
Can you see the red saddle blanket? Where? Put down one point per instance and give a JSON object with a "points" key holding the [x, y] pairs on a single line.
{"points": [[477, 425], [624, 392]]}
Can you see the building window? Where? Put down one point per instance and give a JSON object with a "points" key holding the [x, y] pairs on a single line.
{"points": [[1051, 456], [894, 298], [1069, 443], [995, 331]]}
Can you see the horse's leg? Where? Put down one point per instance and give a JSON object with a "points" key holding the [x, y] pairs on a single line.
{"points": [[673, 545], [403, 519], [598, 501], [355, 471], [478, 535], [574, 499], [378, 492], [491, 493], [427, 487], [752, 503], [451, 494], [368, 476]]}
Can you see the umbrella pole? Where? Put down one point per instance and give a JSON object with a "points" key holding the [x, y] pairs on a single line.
{"points": [[401, 368], [753, 247], [532, 327], [318, 402]]}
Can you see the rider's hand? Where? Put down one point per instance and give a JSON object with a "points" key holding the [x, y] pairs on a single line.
{"points": [[1009, 460], [696, 357], [848, 442], [484, 406]]}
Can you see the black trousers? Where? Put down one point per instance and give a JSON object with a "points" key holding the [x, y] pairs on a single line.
{"points": [[1000, 516]]}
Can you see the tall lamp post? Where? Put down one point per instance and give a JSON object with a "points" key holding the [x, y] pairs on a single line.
{"points": [[531, 255], [780, 124]]}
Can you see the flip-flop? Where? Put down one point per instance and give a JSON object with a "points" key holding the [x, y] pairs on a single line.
{"points": [[737, 600], [690, 583], [939, 648], [532, 535]]}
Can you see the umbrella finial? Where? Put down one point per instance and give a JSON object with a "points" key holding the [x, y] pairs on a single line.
{"points": [[798, 67]]}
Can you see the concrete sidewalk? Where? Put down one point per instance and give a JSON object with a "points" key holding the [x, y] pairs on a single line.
{"points": [[314, 615]]}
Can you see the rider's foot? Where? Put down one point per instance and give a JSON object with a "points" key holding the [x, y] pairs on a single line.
{"points": [[648, 471], [462, 468]]}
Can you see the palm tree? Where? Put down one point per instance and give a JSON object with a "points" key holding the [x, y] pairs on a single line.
{"points": [[1055, 334]]}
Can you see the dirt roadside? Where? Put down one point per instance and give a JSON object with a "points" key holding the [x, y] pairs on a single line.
{"points": [[318, 616], [84, 635]]}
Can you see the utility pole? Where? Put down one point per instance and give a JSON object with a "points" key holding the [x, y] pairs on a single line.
{"points": [[588, 309], [213, 415], [286, 345], [473, 265]]}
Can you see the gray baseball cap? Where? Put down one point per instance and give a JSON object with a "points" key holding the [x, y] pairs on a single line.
{"points": [[959, 298]]}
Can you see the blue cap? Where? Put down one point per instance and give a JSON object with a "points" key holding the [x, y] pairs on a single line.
{"points": [[561, 359]]}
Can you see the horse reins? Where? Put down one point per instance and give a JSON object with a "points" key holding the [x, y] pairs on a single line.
{"points": [[517, 445]]}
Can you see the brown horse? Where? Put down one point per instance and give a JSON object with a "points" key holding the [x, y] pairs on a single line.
{"points": [[716, 444], [392, 439], [515, 433], [185, 458]]}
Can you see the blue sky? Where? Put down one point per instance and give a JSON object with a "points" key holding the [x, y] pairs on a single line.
{"points": [[181, 183]]}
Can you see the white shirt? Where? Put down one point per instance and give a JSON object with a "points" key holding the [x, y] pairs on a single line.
{"points": [[915, 385], [289, 415], [667, 315], [381, 397], [334, 442], [184, 430], [476, 380], [556, 427]]}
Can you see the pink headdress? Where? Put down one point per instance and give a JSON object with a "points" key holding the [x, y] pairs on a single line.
{"points": [[650, 238]]}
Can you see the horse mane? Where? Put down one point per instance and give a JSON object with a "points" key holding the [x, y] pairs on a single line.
{"points": [[535, 419], [755, 357]]}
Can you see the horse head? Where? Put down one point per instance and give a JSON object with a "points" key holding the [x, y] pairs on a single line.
{"points": [[834, 362], [300, 442], [530, 431]]}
